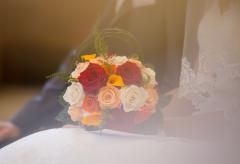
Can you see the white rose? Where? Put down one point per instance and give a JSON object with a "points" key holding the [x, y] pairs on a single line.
{"points": [[118, 60], [133, 98], [74, 94], [79, 69], [149, 75]]}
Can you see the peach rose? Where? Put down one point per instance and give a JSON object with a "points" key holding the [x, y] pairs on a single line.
{"points": [[75, 113], [109, 97], [153, 97]]}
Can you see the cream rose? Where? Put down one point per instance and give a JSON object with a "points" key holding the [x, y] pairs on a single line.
{"points": [[109, 97], [75, 113], [74, 94], [79, 69], [133, 98], [149, 76], [118, 60]]}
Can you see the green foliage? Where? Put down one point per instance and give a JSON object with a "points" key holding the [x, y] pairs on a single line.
{"points": [[62, 75], [63, 116], [100, 44], [126, 37]]}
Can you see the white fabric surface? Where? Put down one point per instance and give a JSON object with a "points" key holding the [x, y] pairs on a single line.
{"points": [[76, 146]]}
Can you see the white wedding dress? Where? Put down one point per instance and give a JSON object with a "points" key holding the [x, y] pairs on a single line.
{"points": [[212, 84]]}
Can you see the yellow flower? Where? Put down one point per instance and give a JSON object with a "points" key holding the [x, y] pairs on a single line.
{"points": [[88, 57], [116, 80], [94, 119]]}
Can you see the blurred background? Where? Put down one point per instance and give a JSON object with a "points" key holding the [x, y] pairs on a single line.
{"points": [[35, 36]]}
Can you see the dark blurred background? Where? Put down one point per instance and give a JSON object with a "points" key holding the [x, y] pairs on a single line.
{"points": [[35, 36], [38, 32]]}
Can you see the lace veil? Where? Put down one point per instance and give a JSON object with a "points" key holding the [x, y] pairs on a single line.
{"points": [[211, 57]]}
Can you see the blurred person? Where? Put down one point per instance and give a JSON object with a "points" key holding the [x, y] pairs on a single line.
{"points": [[161, 38]]}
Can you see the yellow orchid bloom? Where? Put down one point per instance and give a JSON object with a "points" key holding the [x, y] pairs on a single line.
{"points": [[88, 57], [116, 80]]}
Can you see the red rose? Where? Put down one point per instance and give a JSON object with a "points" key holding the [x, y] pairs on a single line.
{"points": [[93, 78], [90, 104], [130, 73]]}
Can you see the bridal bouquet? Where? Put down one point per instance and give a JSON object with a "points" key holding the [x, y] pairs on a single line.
{"points": [[110, 91], [107, 88]]}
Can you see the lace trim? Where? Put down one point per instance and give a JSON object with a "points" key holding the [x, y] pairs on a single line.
{"points": [[198, 87]]}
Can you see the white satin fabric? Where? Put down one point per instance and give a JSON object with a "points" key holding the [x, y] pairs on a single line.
{"points": [[76, 146]]}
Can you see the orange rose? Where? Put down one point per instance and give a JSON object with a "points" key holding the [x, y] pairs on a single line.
{"points": [[90, 104], [153, 97], [109, 97], [75, 113], [94, 119]]}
